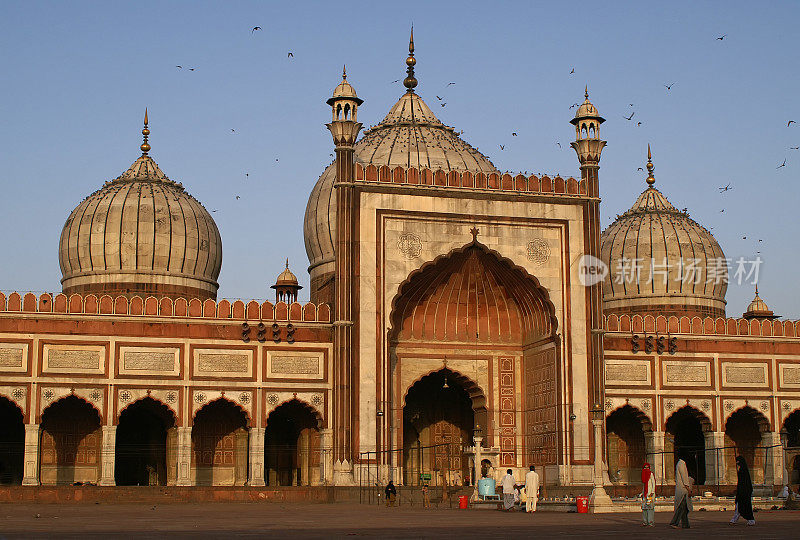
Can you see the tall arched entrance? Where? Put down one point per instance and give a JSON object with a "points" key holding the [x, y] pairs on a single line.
{"points": [[71, 442], [146, 444], [485, 326], [685, 431], [625, 436], [220, 439], [12, 443], [292, 446], [438, 420], [791, 426], [743, 432]]}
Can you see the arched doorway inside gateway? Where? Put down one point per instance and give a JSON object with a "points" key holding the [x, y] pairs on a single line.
{"points": [[70, 444], [743, 431], [438, 420], [791, 426], [292, 446], [685, 430], [146, 442], [220, 439], [625, 435], [12, 443]]}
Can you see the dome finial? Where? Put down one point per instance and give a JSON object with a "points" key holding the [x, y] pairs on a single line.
{"points": [[410, 82], [586, 92], [650, 178], [344, 72], [145, 147], [287, 263]]}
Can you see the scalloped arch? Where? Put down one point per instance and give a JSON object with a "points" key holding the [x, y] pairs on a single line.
{"points": [[156, 400], [248, 420], [473, 389], [71, 395], [318, 416]]}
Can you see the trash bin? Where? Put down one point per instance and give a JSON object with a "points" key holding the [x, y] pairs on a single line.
{"points": [[583, 504], [463, 501]]}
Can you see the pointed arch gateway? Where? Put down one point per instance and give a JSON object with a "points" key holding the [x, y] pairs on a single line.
{"points": [[472, 334]]}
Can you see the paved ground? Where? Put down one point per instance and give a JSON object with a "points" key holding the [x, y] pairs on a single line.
{"points": [[338, 520]]}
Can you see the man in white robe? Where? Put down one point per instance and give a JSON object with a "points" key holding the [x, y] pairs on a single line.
{"points": [[531, 489], [509, 488]]}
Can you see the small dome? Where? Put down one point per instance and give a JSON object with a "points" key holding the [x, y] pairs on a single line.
{"points": [[141, 233], [286, 278], [680, 266], [586, 109], [758, 309], [409, 136], [344, 89]]}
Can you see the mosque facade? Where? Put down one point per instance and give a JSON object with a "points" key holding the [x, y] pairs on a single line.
{"points": [[462, 321]]}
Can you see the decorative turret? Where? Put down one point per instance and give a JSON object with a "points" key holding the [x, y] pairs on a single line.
{"points": [[587, 142], [758, 309], [286, 286], [344, 104]]}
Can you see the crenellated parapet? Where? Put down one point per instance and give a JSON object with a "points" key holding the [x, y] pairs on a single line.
{"points": [[478, 181], [708, 326], [90, 304]]}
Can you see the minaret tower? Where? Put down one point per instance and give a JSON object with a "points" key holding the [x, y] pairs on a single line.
{"points": [[344, 128], [589, 146]]}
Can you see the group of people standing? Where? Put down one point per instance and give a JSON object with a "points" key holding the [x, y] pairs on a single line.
{"points": [[513, 492], [684, 486]]}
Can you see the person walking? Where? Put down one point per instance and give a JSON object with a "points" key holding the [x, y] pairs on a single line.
{"points": [[744, 493], [391, 493], [683, 493], [426, 499], [531, 490], [509, 488], [648, 497]]}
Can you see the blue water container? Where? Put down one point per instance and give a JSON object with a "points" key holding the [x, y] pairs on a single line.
{"points": [[486, 487]]}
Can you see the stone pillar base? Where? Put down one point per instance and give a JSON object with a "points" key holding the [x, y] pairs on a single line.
{"points": [[600, 502], [343, 473]]}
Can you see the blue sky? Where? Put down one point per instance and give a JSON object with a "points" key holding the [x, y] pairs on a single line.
{"points": [[77, 77]]}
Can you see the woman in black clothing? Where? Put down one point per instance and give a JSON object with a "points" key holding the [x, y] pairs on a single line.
{"points": [[744, 493]]}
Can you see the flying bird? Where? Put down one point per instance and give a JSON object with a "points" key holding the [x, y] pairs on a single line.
{"points": [[721, 211], [502, 147], [574, 105], [669, 86], [790, 122], [450, 83], [192, 69], [744, 238], [723, 189], [640, 169], [573, 71], [439, 98], [720, 38], [513, 134], [629, 117], [559, 144], [179, 67], [794, 148], [782, 164], [246, 175], [254, 29], [237, 197], [290, 55], [233, 130], [213, 211], [638, 124], [443, 104], [398, 80]]}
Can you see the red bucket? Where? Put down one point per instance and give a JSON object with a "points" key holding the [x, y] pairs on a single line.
{"points": [[583, 504], [463, 502]]}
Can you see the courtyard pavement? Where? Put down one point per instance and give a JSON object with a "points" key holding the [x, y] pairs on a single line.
{"points": [[236, 520]]}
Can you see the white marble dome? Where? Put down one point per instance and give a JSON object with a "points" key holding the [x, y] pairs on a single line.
{"points": [[665, 241], [409, 136], [141, 233]]}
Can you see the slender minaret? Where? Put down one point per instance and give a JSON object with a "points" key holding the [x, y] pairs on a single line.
{"points": [[589, 146], [344, 128]]}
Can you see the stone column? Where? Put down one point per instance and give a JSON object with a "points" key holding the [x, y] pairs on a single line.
{"points": [[654, 449], [599, 500], [108, 456], [477, 466], [326, 459], [184, 456], [773, 464], [715, 457], [31, 464], [255, 476]]}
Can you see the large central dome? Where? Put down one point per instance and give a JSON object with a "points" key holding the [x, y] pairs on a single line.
{"points": [[409, 136]]}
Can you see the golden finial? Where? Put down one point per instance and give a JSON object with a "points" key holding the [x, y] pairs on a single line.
{"points": [[756, 290], [145, 132], [650, 179], [586, 91], [287, 263], [344, 72], [410, 82]]}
